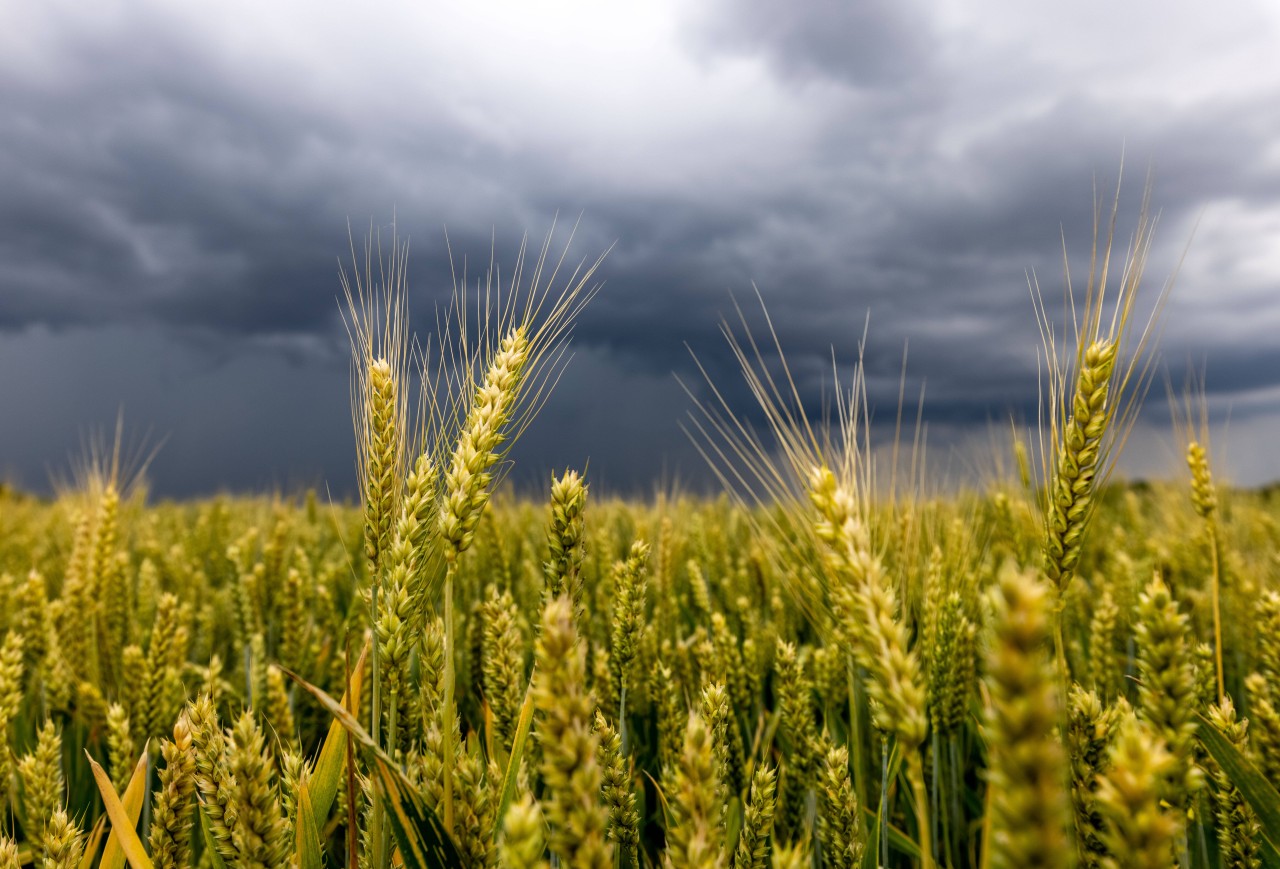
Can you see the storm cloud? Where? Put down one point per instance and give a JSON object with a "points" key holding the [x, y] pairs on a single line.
{"points": [[181, 182]]}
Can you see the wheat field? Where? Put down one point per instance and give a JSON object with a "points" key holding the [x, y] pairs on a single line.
{"points": [[813, 669]]}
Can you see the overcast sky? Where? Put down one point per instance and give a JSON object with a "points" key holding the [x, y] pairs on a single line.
{"points": [[177, 181]]}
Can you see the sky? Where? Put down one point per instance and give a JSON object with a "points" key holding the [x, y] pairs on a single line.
{"points": [[181, 183]]}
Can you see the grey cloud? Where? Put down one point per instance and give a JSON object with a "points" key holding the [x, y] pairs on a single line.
{"points": [[255, 421], [875, 43], [159, 184]]}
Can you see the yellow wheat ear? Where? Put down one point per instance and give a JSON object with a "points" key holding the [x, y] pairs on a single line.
{"points": [[1141, 830], [1098, 366], [1191, 422], [1026, 767]]}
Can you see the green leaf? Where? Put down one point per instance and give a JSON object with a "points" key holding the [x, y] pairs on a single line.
{"points": [[902, 842], [513, 762], [871, 852], [307, 834], [210, 847], [1260, 794], [897, 838], [423, 842], [122, 828], [1270, 855], [732, 823], [327, 775], [113, 857]]}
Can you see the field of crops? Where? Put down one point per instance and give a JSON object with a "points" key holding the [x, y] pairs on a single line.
{"points": [[821, 670]]}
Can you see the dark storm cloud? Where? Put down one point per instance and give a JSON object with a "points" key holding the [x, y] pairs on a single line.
{"points": [[254, 421], [169, 174], [871, 44]]}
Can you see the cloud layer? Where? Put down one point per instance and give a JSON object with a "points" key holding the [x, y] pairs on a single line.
{"points": [[179, 182]]}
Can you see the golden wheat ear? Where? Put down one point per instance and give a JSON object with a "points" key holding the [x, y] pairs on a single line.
{"points": [[1098, 365], [1140, 829], [1026, 767], [1239, 832], [1191, 423], [571, 773]]}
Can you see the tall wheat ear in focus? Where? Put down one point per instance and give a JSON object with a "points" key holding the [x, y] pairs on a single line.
{"points": [[434, 425], [1097, 367]]}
